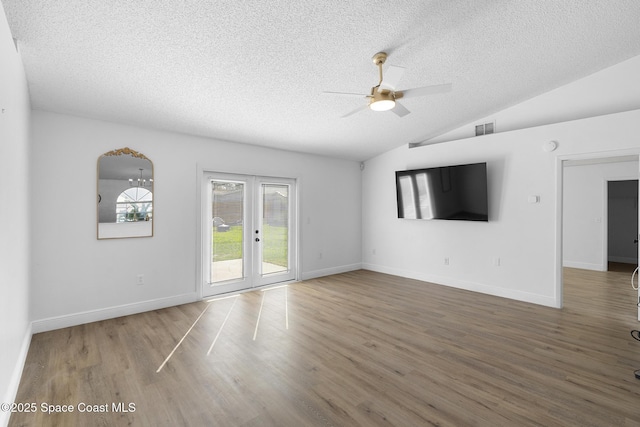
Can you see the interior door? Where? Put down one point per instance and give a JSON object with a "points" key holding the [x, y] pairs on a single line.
{"points": [[250, 232]]}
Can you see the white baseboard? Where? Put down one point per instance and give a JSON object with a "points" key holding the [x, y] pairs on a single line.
{"points": [[12, 387], [81, 318], [467, 285], [583, 265], [329, 271]]}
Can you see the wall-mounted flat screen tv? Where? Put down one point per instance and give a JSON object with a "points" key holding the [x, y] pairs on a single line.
{"points": [[450, 192]]}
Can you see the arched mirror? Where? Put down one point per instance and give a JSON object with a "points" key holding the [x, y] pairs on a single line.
{"points": [[125, 195]]}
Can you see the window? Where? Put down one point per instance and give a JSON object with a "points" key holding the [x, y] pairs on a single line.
{"points": [[134, 204]]}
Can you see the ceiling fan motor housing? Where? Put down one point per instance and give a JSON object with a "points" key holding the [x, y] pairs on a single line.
{"points": [[381, 100]]}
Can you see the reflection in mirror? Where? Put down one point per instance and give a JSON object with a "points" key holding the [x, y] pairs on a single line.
{"points": [[125, 195]]}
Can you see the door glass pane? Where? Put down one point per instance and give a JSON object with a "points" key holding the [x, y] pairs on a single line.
{"points": [[227, 230], [275, 228]]}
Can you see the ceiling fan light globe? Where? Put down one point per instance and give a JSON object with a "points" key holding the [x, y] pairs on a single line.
{"points": [[382, 105]]}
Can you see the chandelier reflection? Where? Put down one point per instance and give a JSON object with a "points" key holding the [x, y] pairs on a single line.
{"points": [[140, 182]]}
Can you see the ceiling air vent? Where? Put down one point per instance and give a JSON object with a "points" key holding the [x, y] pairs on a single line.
{"points": [[485, 129]]}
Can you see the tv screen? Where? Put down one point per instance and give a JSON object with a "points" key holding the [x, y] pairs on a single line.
{"points": [[450, 192]]}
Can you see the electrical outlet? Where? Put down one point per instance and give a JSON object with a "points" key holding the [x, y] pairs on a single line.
{"points": [[446, 260], [140, 279], [496, 261]]}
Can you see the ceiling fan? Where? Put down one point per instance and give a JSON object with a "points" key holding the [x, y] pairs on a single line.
{"points": [[384, 96]]}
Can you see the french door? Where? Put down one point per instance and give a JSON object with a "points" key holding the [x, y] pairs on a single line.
{"points": [[250, 232]]}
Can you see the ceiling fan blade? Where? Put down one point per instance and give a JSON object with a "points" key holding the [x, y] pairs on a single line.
{"points": [[391, 77], [345, 93], [426, 90], [400, 110], [357, 110]]}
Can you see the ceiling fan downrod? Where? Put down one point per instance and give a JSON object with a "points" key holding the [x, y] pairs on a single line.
{"points": [[379, 59]]}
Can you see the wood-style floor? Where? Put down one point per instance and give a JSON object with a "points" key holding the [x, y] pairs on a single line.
{"points": [[355, 349]]}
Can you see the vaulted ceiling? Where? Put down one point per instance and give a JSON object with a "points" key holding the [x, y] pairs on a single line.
{"points": [[255, 71]]}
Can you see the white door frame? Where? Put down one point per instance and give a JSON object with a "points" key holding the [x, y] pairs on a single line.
{"points": [[559, 214], [203, 214]]}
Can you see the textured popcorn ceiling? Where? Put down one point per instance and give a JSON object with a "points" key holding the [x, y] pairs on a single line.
{"points": [[254, 71]]}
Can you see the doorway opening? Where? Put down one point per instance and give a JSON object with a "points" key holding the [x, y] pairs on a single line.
{"points": [[598, 219], [622, 225], [249, 232]]}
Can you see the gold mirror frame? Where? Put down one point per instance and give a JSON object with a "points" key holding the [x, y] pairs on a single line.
{"points": [[125, 195]]}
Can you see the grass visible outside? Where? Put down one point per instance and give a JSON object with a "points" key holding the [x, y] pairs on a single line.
{"points": [[227, 245]]}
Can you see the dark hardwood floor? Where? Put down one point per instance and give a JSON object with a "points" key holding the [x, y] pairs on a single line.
{"points": [[355, 349]]}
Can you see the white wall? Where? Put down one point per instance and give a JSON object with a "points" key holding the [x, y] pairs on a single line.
{"points": [[15, 332], [612, 90], [585, 212], [515, 233], [526, 237], [77, 278]]}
